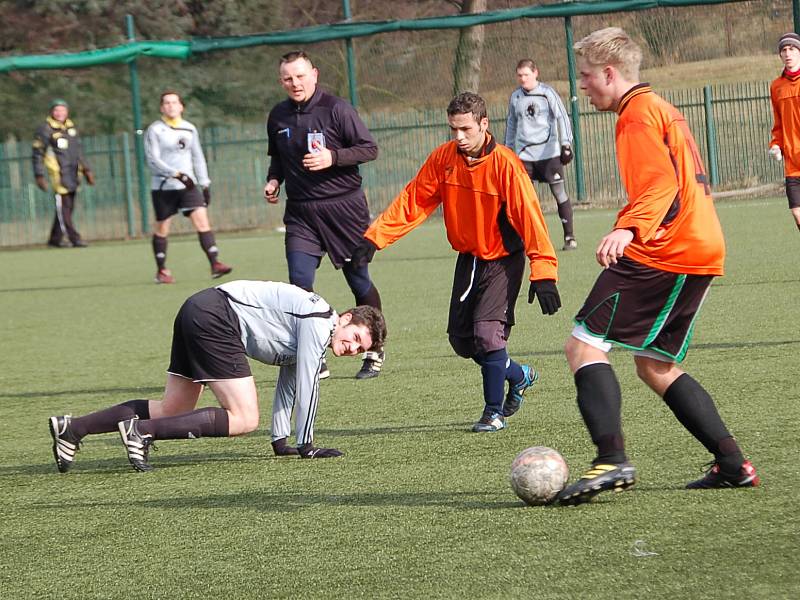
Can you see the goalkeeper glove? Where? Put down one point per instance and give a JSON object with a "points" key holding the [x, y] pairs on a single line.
{"points": [[566, 154], [309, 451], [775, 152], [549, 299], [363, 253], [187, 181], [207, 195]]}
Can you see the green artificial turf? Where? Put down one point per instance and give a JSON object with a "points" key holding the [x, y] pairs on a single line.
{"points": [[418, 507]]}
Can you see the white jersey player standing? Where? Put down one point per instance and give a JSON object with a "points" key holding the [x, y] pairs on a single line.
{"points": [[214, 333], [539, 131]]}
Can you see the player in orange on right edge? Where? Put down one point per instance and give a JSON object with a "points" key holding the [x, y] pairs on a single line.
{"points": [[658, 263], [785, 95]]}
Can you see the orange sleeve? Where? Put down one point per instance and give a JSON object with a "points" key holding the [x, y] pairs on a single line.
{"points": [[648, 175], [411, 207], [777, 127], [525, 215]]}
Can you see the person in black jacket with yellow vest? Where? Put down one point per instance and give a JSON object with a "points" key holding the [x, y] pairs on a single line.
{"points": [[57, 148]]}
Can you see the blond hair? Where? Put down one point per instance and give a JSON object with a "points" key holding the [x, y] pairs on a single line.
{"points": [[611, 46]]}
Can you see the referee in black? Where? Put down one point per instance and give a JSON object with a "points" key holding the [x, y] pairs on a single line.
{"points": [[316, 142]]}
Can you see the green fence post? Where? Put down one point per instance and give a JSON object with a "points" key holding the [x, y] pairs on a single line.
{"points": [[351, 61], [711, 137], [128, 178], [796, 14], [574, 113], [138, 131]]}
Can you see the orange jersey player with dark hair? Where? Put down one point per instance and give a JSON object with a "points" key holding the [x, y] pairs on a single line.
{"points": [[494, 221]]}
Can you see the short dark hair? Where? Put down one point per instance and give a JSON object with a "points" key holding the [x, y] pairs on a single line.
{"points": [[526, 62], [373, 319], [468, 102], [293, 56], [170, 93]]}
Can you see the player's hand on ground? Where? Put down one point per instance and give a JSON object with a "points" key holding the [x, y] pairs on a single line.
{"points": [[363, 253], [309, 451], [547, 292], [271, 191], [566, 154], [612, 247], [41, 183], [281, 448], [317, 161], [207, 195], [775, 152], [187, 181], [89, 176]]}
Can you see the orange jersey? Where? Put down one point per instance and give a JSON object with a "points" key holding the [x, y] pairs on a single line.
{"points": [[489, 204], [785, 96], [669, 209]]}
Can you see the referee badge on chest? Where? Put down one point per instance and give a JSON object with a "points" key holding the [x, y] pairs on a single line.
{"points": [[316, 142]]}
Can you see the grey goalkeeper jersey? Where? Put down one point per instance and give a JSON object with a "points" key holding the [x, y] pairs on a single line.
{"points": [[537, 124], [289, 327], [170, 149]]}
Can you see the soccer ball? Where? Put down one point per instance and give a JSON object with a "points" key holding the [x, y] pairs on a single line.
{"points": [[538, 474]]}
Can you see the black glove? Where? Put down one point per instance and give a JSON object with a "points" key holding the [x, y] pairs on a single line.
{"points": [[566, 154], [207, 195], [549, 299], [185, 180], [309, 451], [363, 253], [280, 448]]}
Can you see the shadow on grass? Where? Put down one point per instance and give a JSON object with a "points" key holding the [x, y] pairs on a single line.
{"points": [[282, 502], [120, 464], [60, 288], [134, 391], [440, 427]]}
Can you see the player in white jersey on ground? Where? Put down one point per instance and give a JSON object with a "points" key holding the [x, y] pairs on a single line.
{"points": [[214, 333]]}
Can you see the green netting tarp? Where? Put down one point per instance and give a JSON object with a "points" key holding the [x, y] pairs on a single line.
{"points": [[183, 49]]}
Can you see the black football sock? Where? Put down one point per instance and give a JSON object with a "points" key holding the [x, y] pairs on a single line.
{"points": [[204, 422], [493, 370], [371, 298], [160, 250], [694, 408], [600, 403], [564, 206], [514, 373], [209, 245], [105, 421]]}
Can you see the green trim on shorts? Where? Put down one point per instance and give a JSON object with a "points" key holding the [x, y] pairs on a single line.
{"points": [[615, 297], [655, 329], [668, 306]]}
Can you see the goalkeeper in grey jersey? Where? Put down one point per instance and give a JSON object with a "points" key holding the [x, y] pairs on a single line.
{"points": [[174, 155], [539, 131], [215, 331]]}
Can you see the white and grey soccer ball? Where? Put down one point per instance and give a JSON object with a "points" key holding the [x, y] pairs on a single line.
{"points": [[538, 474]]}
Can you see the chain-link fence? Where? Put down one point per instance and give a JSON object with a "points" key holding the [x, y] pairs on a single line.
{"points": [[404, 81]]}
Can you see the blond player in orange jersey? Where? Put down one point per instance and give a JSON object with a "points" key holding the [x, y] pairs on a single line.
{"points": [[659, 260], [785, 96]]}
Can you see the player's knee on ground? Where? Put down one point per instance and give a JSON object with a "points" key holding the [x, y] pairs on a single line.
{"points": [[242, 423]]}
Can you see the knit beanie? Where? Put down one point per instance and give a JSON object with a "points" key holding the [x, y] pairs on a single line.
{"points": [[789, 39]]}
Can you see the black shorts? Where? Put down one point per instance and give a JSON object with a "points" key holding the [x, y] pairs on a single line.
{"points": [[168, 202], [206, 340], [484, 290], [793, 191], [645, 309], [549, 170], [334, 227]]}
